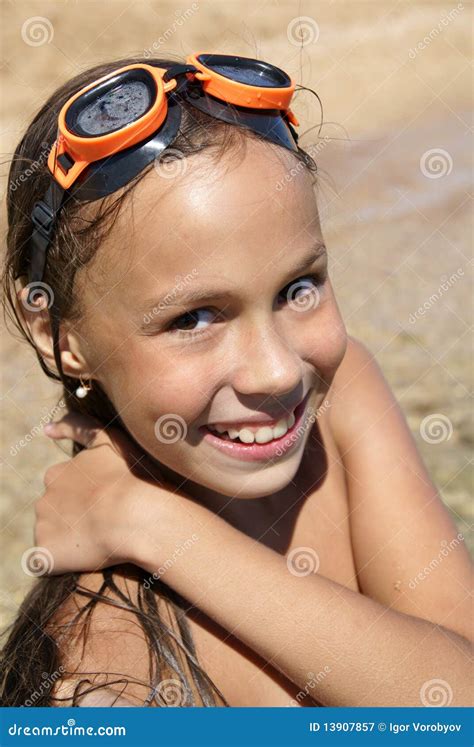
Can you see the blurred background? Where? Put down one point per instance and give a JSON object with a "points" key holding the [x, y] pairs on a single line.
{"points": [[395, 156]]}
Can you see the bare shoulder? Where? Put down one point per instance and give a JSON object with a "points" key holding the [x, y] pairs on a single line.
{"points": [[407, 550], [103, 647], [358, 382]]}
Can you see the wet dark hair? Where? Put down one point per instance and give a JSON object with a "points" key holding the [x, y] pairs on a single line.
{"points": [[34, 644]]}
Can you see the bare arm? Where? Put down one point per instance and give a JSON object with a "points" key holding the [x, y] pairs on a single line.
{"points": [[376, 655]]}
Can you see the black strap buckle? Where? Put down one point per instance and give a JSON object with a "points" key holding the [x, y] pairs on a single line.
{"points": [[43, 217]]}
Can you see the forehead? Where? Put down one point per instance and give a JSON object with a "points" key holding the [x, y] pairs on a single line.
{"points": [[241, 216]]}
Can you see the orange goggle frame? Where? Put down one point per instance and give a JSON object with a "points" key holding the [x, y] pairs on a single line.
{"points": [[72, 153]]}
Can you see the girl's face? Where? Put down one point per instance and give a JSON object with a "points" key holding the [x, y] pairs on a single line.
{"points": [[209, 305]]}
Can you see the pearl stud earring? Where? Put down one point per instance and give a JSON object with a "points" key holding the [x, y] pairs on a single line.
{"points": [[83, 389]]}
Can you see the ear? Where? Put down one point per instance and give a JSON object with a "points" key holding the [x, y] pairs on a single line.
{"points": [[36, 316]]}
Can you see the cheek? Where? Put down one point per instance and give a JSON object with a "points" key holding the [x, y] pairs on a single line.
{"points": [[145, 384], [325, 340]]}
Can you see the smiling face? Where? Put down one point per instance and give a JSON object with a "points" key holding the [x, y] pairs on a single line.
{"points": [[209, 305]]}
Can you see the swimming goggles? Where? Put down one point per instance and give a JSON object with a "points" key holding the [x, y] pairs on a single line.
{"points": [[113, 128]]}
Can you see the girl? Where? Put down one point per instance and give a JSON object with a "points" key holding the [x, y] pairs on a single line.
{"points": [[245, 509]]}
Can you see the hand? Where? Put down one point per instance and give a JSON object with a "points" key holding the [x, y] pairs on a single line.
{"points": [[96, 502]]}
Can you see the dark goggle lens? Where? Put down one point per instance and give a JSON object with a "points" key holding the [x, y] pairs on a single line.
{"points": [[115, 109], [247, 71], [111, 106]]}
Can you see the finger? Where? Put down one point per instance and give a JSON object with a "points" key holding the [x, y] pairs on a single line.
{"points": [[90, 432], [80, 428]]}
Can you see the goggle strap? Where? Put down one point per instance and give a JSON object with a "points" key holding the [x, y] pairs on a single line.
{"points": [[44, 216], [178, 69], [292, 130]]}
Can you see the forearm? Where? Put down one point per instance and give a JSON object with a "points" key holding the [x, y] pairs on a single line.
{"points": [[373, 655]]}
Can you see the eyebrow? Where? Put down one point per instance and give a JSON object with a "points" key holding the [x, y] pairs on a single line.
{"points": [[197, 295]]}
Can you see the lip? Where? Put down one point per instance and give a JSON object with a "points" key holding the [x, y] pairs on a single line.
{"points": [[261, 452]]}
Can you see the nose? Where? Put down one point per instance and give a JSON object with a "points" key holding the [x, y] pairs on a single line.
{"points": [[266, 363]]}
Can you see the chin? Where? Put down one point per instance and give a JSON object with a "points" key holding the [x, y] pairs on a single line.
{"points": [[268, 480]]}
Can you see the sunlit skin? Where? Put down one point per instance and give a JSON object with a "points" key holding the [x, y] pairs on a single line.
{"points": [[223, 227], [227, 227]]}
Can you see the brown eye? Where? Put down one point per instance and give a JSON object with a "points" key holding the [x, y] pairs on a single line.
{"points": [[194, 321], [301, 287]]}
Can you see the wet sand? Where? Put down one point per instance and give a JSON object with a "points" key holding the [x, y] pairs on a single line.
{"points": [[396, 172]]}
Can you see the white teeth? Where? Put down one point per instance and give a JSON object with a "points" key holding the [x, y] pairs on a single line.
{"points": [[262, 435], [280, 428], [247, 436]]}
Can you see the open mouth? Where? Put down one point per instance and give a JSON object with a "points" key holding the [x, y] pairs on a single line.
{"points": [[256, 443]]}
